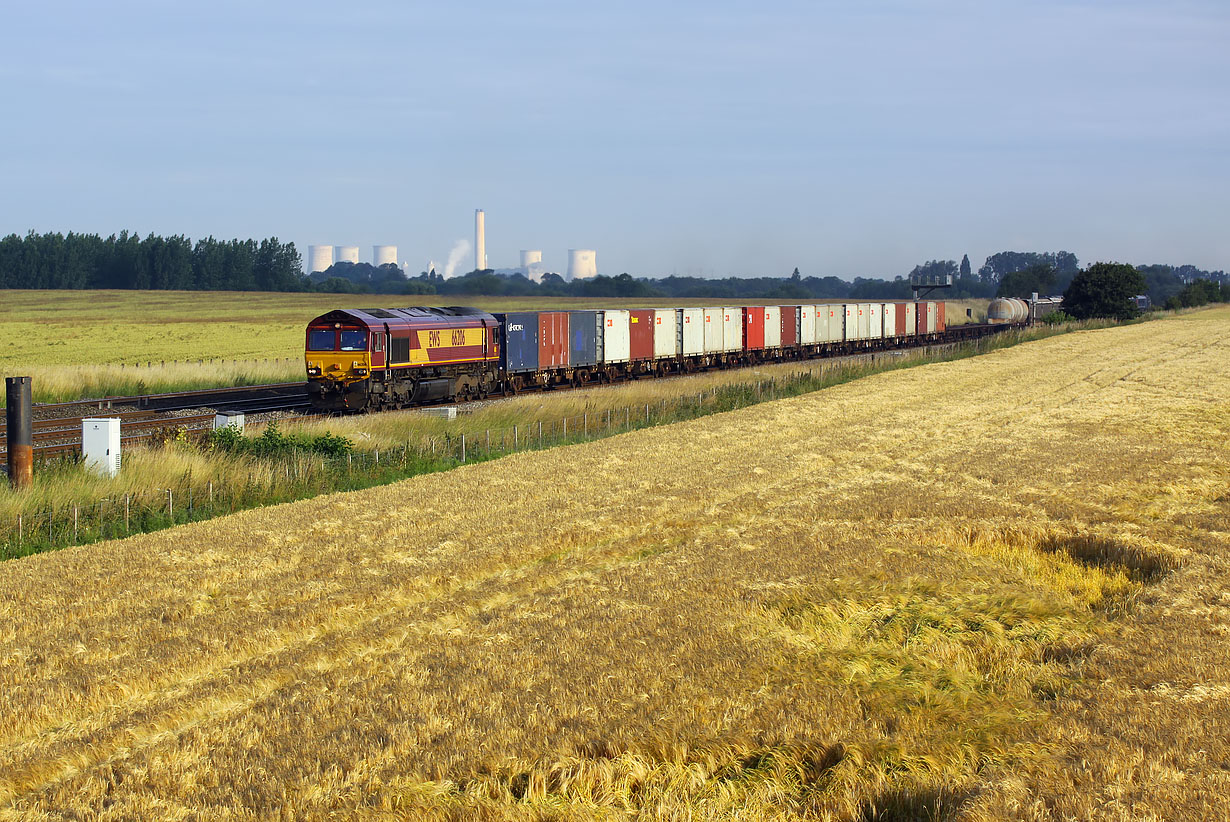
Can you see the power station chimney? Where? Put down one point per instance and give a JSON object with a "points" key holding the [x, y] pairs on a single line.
{"points": [[480, 240]]}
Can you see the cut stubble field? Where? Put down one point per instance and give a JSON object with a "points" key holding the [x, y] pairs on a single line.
{"points": [[994, 588]]}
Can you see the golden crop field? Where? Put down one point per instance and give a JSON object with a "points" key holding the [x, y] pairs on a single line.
{"points": [[73, 343], [994, 588]]}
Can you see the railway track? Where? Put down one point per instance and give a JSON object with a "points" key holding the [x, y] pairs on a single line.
{"points": [[57, 426]]}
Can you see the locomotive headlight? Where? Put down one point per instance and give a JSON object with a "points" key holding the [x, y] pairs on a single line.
{"points": [[313, 371], [362, 372]]}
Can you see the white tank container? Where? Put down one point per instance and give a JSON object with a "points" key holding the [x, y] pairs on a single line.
{"points": [[616, 339], [691, 324], [875, 320], [890, 319], [100, 445], [347, 254], [807, 325], [665, 333], [384, 255], [772, 326], [732, 328]]}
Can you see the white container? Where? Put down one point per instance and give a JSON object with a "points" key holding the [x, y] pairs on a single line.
{"points": [[732, 328], [807, 325], [773, 326], [616, 337], [665, 334], [830, 326], [229, 419], [100, 445], [911, 320], [926, 318], [691, 325], [851, 325], [713, 330], [890, 319], [863, 311], [875, 320]]}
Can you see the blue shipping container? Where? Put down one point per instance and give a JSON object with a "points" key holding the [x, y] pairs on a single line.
{"points": [[519, 334], [584, 338]]}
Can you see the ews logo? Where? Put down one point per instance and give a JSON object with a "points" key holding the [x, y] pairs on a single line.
{"points": [[456, 337]]}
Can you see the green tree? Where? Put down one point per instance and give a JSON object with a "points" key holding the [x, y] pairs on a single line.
{"points": [[1039, 277], [1104, 290], [965, 269]]}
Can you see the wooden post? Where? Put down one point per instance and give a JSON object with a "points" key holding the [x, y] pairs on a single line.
{"points": [[463, 447], [126, 513], [170, 504]]}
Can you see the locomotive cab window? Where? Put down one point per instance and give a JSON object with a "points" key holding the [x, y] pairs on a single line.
{"points": [[353, 340], [321, 339]]}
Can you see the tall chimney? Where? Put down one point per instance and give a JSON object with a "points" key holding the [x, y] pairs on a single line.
{"points": [[480, 241]]}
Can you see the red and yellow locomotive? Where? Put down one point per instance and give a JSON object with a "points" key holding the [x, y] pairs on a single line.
{"points": [[372, 358]]}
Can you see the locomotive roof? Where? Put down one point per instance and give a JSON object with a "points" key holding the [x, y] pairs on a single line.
{"points": [[447, 315]]}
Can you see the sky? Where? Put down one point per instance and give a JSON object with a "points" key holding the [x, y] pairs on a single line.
{"points": [[708, 138]]}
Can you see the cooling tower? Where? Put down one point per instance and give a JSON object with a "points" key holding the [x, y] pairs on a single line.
{"points": [[320, 257], [384, 255], [480, 240], [528, 258], [582, 263], [348, 254]]}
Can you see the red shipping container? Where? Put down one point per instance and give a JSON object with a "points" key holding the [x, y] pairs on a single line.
{"points": [[552, 339], [753, 328], [900, 310], [920, 318], [790, 326], [641, 335], [941, 315]]}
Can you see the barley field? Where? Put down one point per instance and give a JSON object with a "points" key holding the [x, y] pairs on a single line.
{"points": [[994, 588], [84, 344]]}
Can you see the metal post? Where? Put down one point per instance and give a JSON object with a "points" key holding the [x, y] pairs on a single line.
{"points": [[463, 447], [20, 431]]}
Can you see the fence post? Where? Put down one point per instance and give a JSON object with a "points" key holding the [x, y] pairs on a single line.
{"points": [[211, 495], [170, 504], [74, 524], [516, 437], [540, 432], [488, 440], [19, 531], [585, 424], [463, 447], [565, 425], [126, 513]]}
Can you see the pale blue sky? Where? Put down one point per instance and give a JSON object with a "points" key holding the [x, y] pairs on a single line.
{"points": [[708, 138]]}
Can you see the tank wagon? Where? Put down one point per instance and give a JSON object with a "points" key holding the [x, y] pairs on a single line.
{"points": [[389, 358], [1013, 310]]}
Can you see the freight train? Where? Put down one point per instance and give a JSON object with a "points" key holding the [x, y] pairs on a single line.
{"points": [[376, 358]]}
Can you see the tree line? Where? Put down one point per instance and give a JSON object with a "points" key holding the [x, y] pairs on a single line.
{"points": [[129, 261]]}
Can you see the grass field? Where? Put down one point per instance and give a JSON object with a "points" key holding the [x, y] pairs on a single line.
{"points": [[117, 343], [987, 589]]}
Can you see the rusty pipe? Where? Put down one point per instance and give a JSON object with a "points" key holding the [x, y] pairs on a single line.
{"points": [[20, 431]]}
